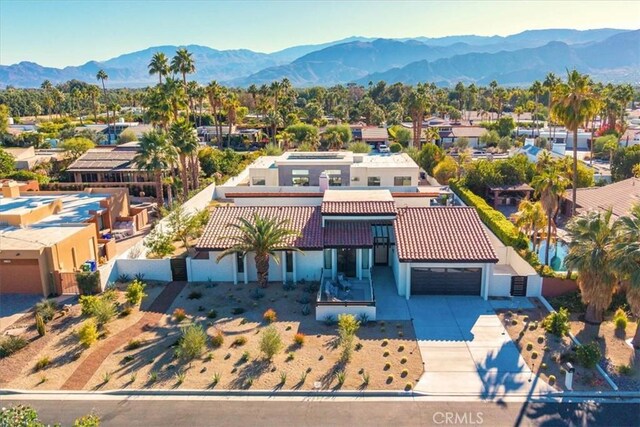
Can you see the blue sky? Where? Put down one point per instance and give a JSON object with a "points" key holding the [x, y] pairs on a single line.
{"points": [[58, 33]]}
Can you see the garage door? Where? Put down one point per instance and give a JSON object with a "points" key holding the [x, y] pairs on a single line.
{"points": [[446, 281], [20, 276]]}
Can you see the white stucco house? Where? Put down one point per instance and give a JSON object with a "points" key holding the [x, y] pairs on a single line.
{"points": [[352, 234]]}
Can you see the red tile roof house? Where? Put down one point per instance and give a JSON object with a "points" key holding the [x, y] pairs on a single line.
{"points": [[353, 234]]}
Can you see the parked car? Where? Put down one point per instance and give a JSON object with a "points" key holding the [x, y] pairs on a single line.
{"points": [[383, 148]]}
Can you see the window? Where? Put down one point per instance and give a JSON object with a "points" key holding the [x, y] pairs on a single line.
{"points": [[289, 261], [240, 262], [258, 181], [401, 181], [373, 181], [335, 178], [300, 181], [327, 259], [365, 258]]}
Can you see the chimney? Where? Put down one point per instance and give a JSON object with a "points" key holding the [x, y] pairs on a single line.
{"points": [[10, 190], [324, 181]]}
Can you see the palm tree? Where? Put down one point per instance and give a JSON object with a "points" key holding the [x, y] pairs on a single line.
{"points": [[93, 92], [549, 185], [591, 254], [530, 219], [550, 82], [159, 65], [155, 156], [183, 63], [626, 260], [263, 237], [431, 135], [215, 93], [334, 139], [273, 120], [536, 90], [175, 95], [574, 102], [102, 76], [285, 139], [184, 139], [231, 104], [416, 104]]}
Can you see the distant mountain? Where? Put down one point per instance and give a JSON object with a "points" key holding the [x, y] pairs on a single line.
{"points": [[616, 58], [447, 59]]}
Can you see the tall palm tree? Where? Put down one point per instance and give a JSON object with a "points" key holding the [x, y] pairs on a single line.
{"points": [[93, 92], [536, 90], [156, 155], [231, 104], [574, 102], [549, 185], [263, 237], [530, 219], [416, 103], [550, 83], [175, 95], [626, 260], [184, 139], [215, 93], [183, 63], [102, 76], [159, 65], [591, 254]]}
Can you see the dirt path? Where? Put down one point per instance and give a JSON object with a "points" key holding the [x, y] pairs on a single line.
{"points": [[81, 376]]}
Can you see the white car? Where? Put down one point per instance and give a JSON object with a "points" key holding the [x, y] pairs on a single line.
{"points": [[383, 148]]}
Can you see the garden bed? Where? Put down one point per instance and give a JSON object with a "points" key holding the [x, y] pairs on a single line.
{"points": [[236, 311], [546, 354]]}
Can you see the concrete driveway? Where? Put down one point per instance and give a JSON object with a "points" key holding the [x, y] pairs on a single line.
{"points": [[465, 348], [14, 306]]}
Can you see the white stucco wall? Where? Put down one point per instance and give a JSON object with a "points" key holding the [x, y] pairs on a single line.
{"points": [[153, 269], [323, 311]]}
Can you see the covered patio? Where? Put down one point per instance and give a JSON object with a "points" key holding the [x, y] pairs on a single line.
{"points": [[509, 195]]}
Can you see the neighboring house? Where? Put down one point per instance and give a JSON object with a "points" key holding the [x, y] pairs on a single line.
{"points": [[431, 250], [449, 135], [28, 158], [559, 136], [115, 129], [209, 134], [45, 235], [619, 197], [107, 165], [372, 135], [342, 168]]}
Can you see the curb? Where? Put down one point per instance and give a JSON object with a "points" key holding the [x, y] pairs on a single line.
{"points": [[606, 376]]}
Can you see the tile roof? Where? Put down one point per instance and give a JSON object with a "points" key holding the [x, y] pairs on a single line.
{"points": [[306, 220], [375, 133], [359, 208], [442, 234], [620, 196], [348, 234], [468, 131]]}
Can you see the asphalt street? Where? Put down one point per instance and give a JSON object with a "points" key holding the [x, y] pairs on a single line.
{"points": [[198, 411]]}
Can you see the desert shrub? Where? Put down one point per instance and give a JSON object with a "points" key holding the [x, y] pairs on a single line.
{"points": [[212, 314], [123, 278], [11, 344], [403, 360], [40, 326], [237, 310], [88, 282], [181, 375], [245, 357], [160, 244], [135, 292], [298, 339], [215, 379], [363, 318], [192, 343], [408, 387], [270, 316], [552, 379], [395, 147], [283, 377], [270, 342], [88, 333], [534, 354], [195, 295], [529, 346], [90, 420], [240, 341], [19, 416], [390, 378], [104, 311], [88, 303], [404, 373], [217, 340], [133, 345], [46, 309], [620, 319], [347, 328], [589, 354], [42, 363], [359, 147], [366, 378], [341, 376], [385, 354], [557, 323], [306, 309], [179, 314]]}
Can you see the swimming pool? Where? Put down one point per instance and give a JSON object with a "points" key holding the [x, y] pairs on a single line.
{"points": [[557, 253]]}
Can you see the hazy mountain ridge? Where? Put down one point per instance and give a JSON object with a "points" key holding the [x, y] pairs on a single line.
{"points": [[361, 59]]}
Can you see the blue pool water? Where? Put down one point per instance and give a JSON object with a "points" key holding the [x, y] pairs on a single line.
{"points": [[557, 253]]}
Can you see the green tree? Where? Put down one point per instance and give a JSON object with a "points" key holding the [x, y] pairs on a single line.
{"points": [[626, 261], [156, 155], [263, 237], [159, 243], [159, 65], [574, 103], [7, 163], [505, 126], [429, 156], [490, 139], [127, 135], [184, 138], [531, 219], [400, 134], [591, 244], [302, 132], [4, 119], [446, 170], [623, 162], [76, 147], [359, 147], [337, 136], [102, 76]]}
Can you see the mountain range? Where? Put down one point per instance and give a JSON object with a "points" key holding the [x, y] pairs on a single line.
{"points": [[606, 54]]}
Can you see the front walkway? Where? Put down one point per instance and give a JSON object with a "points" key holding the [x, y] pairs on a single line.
{"points": [[389, 305], [466, 349]]}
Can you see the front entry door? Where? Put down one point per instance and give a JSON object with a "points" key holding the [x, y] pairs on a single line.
{"points": [[347, 261], [381, 251]]}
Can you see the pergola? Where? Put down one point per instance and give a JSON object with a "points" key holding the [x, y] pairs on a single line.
{"points": [[518, 191]]}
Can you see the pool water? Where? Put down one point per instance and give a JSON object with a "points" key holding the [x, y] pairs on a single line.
{"points": [[557, 253]]}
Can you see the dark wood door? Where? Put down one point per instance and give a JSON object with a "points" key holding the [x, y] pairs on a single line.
{"points": [[381, 251], [347, 261]]}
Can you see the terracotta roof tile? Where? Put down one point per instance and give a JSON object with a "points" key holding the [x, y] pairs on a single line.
{"points": [[442, 234], [359, 208], [306, 220], [349, 234]]}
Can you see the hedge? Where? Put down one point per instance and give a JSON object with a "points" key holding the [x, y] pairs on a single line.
{"points": [[494, 220]]}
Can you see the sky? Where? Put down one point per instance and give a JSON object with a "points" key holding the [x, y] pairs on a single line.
{"points": [[62, 32]]}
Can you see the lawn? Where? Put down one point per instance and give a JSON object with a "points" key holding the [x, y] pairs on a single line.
{"points": [[385, 356]]}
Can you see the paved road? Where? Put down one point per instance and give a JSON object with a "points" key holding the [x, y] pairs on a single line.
{"points": [[247, 412]]}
